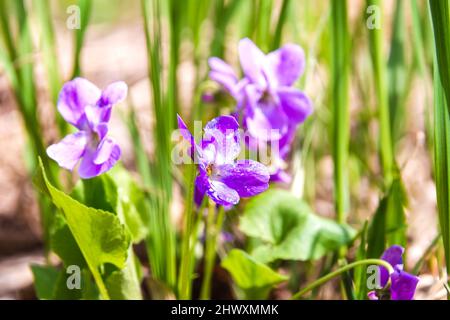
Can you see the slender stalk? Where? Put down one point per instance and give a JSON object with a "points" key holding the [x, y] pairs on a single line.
{"points": [[440, 16], [280, 24], [85, 13], [341, 118], [340, 271], [380, 78], [212, 232], [263, 23], [161, 242], [185, 276], [222, 15], [47, 40]]}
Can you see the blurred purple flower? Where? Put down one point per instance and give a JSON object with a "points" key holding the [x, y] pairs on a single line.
{"points": [[269, 103], [224, 237], [403, 284], [221, 177], [88, 108]]}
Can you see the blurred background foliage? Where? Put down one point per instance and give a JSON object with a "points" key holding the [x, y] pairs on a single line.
{"points": [[364, 158]]}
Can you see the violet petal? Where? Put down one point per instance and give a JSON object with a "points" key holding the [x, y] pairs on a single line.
{"points": [[106, 147], [218, 65], [392, 255], [247, 177], [89, 169], [221, 140], [69, 150], [252, 61], [288, 64], [201, 185], [114, 93], [295, 104], [403, 285], [221, 194], [74, 97], [264, 119]]}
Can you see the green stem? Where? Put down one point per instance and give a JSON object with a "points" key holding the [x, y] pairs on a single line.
{"points": [[341, 115], [339, 271], [379, 70], [185, 278], [100, 284], [212, 231], [280, 24]]}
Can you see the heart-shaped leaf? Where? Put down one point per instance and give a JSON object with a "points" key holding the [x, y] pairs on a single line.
{"points": [[99, 234], [253, 277], [289, 230]]}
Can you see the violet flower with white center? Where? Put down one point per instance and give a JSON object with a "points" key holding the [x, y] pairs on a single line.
{"points": [[403, 284], [87, 108], [221, 177], [269, 103]]}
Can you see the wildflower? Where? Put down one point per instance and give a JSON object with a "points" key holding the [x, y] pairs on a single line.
{"points": [[269, 103], [403, 284], [221, 177], [87, 108]]}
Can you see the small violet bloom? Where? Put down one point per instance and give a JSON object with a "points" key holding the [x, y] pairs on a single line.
{"points": [[403, 284], [269, 103], [87, 108], [221, 177]]}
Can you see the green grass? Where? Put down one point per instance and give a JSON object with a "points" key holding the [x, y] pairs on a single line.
{"points": [[340, 73], [440, 16]]}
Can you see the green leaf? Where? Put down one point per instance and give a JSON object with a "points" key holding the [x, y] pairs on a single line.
{"points": [[99, 234], [118, 193], [396, 219], [253, 277], [64, 244], [51, 283], [122, 284], [101, 193], [132, 203], [289, 229], [388, 226], [45, 278]]}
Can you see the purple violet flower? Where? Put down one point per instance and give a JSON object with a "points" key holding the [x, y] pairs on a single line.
{"points": [[221, 177], [403, 284], [269, 103], [86, 107], [270, 107]]}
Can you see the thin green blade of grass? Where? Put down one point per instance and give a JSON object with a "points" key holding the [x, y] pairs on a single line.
{"points": [[380, 80], [442, 162], [418, 34], [85, 7], [263, 18], [50, 58], [276, 39], [223, 12], [360, 272], [161, 242], [340, 48], [397, 73], [440, 17], [6, 30], [18, 63]]}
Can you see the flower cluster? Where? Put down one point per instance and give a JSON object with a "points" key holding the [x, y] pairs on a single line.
{"points": [[221, 177], [270, 107], [403, 285], [88, 109]]}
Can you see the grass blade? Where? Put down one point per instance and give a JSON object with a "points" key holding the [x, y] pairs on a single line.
{"points": [[440, 17], [341, 118], [380, 79], [85, 14]]}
